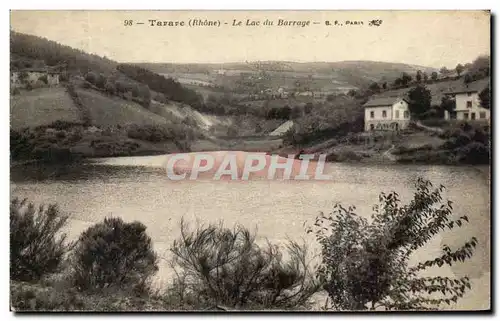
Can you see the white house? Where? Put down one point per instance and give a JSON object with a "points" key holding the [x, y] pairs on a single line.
{"points": [[468, 105], [386, 113]]}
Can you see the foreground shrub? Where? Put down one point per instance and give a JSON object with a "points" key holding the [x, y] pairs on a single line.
{"points": [[29, 297], [226, 267], [366, 265], [36, 245], [114, 254], [474, 153]]}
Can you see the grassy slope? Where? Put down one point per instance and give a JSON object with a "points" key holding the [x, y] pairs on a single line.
{"points": [[436, 89], [42, 106], [110, 111]]}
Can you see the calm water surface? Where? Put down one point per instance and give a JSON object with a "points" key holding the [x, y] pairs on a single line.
{"points": [[132, 188]]}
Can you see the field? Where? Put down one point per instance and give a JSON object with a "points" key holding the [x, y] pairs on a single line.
{"points": [[42, 106], [112, 111]]}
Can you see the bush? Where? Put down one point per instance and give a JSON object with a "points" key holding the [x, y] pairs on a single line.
{"points": [[149, 133], [226, 267], [36, 245], [114, 254], [27, 298], [366, 265], [91, 77], [110, 88], [474, 153]]}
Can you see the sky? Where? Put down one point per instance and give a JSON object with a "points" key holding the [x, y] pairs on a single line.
{"points": [[426, 38]]}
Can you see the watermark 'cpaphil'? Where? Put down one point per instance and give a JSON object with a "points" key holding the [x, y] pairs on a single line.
{"points": [[245, 166]]}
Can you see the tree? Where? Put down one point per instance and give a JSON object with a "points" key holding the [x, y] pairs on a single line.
{"points": [[37, 244], [448, 103], [485, 97], [420, 101], [459, 69], [91, 77], [145, 95], [110, 88], [418, 77], [444, 71], [367, 265], [227, 267], [114, 253], [426, 77], [434, 76], [374, 87], [100, 81], [480, 68], [405, 79]]}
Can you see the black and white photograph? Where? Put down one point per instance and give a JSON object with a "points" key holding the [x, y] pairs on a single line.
{"points": [[248, 161]]}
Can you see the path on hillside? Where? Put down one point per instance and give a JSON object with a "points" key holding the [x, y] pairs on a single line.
{"points": [[432, 129], [387, 154]]}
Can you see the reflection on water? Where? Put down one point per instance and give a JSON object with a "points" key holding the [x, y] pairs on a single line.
{"points": [[277, 209]]}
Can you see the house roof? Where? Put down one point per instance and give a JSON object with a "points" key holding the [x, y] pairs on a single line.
{"points": [[475, 86], [382, 101]]}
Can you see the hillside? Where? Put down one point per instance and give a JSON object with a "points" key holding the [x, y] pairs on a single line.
{"points": [[112, 111], [343, 73], [41, 107]]}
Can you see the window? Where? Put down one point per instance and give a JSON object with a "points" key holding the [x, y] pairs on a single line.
{"points": [[469, 104], [397, 114], [469, 94], [466, 115], [384, 113], [482, 115], [406, 114], [473, 116], [372, 127], [372, 114]]}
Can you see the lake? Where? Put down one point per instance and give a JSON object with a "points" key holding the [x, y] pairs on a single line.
{"points": [[132, 188]]}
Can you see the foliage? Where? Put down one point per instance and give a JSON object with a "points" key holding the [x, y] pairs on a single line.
{"points": [[37, 245], [374, 87], [91, 77], [480, 68], [226, 267], [114, 254], [420, 100], [172, 89], [405, 79], [156, 133], [366, 265], [459, 69], [448, 103], [418, 76], [110, 88], [53, 53], [485, 97], [434, 75]]}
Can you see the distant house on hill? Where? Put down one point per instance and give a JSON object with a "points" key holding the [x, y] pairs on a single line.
{"points": [[386, 113], [32, 75], [468, 105]]}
